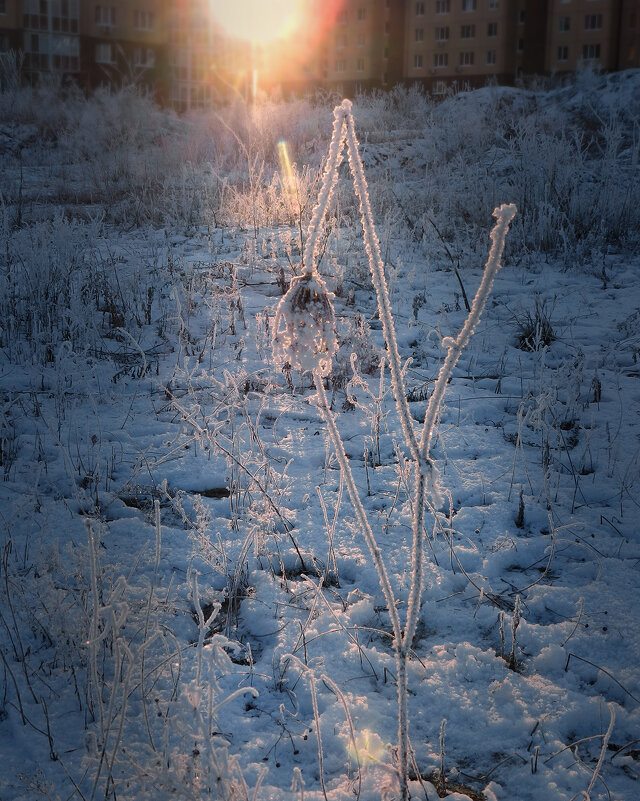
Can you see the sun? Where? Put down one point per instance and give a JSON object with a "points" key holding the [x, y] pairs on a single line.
{"points": [[258, 21]]}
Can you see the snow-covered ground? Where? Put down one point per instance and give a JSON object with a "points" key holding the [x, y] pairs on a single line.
{"points": [[188, 608]]}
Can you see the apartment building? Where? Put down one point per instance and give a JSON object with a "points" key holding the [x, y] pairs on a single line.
{"points": [[190, 37], [124, 43], [459, 43], [599, 32], [92, 43], [10, 26], [364, 45], [177, 49], [465, 43]]}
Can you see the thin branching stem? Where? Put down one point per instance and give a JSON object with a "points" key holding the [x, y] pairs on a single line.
{"points": [[309, 355]]}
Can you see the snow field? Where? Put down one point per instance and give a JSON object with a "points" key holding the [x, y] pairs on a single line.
{"points": [[150, 435]]}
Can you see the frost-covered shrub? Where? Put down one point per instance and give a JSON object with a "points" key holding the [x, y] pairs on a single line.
{"points": [[43, 293], [401, 108]]}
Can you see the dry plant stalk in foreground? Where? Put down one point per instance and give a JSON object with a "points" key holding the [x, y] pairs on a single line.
{"points": [[304, 338]]}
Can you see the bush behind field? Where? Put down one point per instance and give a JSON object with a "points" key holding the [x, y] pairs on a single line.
{"points": [[568, 158]]}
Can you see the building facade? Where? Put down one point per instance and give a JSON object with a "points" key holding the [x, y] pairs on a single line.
{"points": [[115, 43], [459, 42], [176, 49]]}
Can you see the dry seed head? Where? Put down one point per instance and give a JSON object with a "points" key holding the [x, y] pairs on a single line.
{"points": [[304, 330]]}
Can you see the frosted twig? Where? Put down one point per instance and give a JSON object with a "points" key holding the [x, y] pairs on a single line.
{"points": [[329, 181], [504, 214], [361, 515], [376, 266], [603, 750]]}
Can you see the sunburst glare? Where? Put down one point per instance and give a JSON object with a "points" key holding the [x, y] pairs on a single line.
{"points": [[256, 20]]}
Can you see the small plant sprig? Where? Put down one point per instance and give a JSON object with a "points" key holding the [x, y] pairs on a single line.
{"points": [[304, 338]]}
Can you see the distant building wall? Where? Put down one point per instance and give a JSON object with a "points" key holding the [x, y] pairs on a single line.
{"points": [[459, 42], [629, 49], [174, 48], [10, 26]]}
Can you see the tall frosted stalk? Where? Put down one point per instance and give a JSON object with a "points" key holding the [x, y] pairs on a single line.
{"points": [[304, 338]]}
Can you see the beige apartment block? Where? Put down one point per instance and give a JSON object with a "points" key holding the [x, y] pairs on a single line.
{"points": [[50, 35], [355, 44], [191, 42], [459, 43], [177, 50], [115, 43], [584, 32], [123, 41]]}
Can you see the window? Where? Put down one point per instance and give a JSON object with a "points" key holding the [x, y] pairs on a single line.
{"points": [[466, 59], [521, 17], [563, 53], [491, 57], [494, 4], [360, 40], [492, 29], [104, 53], [420, 9], [590, 52], [439, 88], [442, 34], [467, 31], [564, 24], [419, 35], [469, 5], [106, 16], [341, 65], [443, 6], [520, 45], [440, 60], [360, 64], [362, 13], [64, 19], [342, 17], [3, 7], [593, 22], [417, 61], [144, 57], [386, 53], [341, 40], [143, 20]]}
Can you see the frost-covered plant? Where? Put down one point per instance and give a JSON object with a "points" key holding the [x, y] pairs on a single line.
{"points": [[305, 336], [515, 622], [302, 339]]}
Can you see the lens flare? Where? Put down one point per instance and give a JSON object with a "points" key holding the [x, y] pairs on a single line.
{"points": [[287, 175], [370, 748]]}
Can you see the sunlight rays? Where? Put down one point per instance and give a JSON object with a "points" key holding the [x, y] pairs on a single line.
{"points": [[257, 21]]}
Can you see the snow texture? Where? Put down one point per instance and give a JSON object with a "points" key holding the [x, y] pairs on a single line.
{"points": [[188, 608]]}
